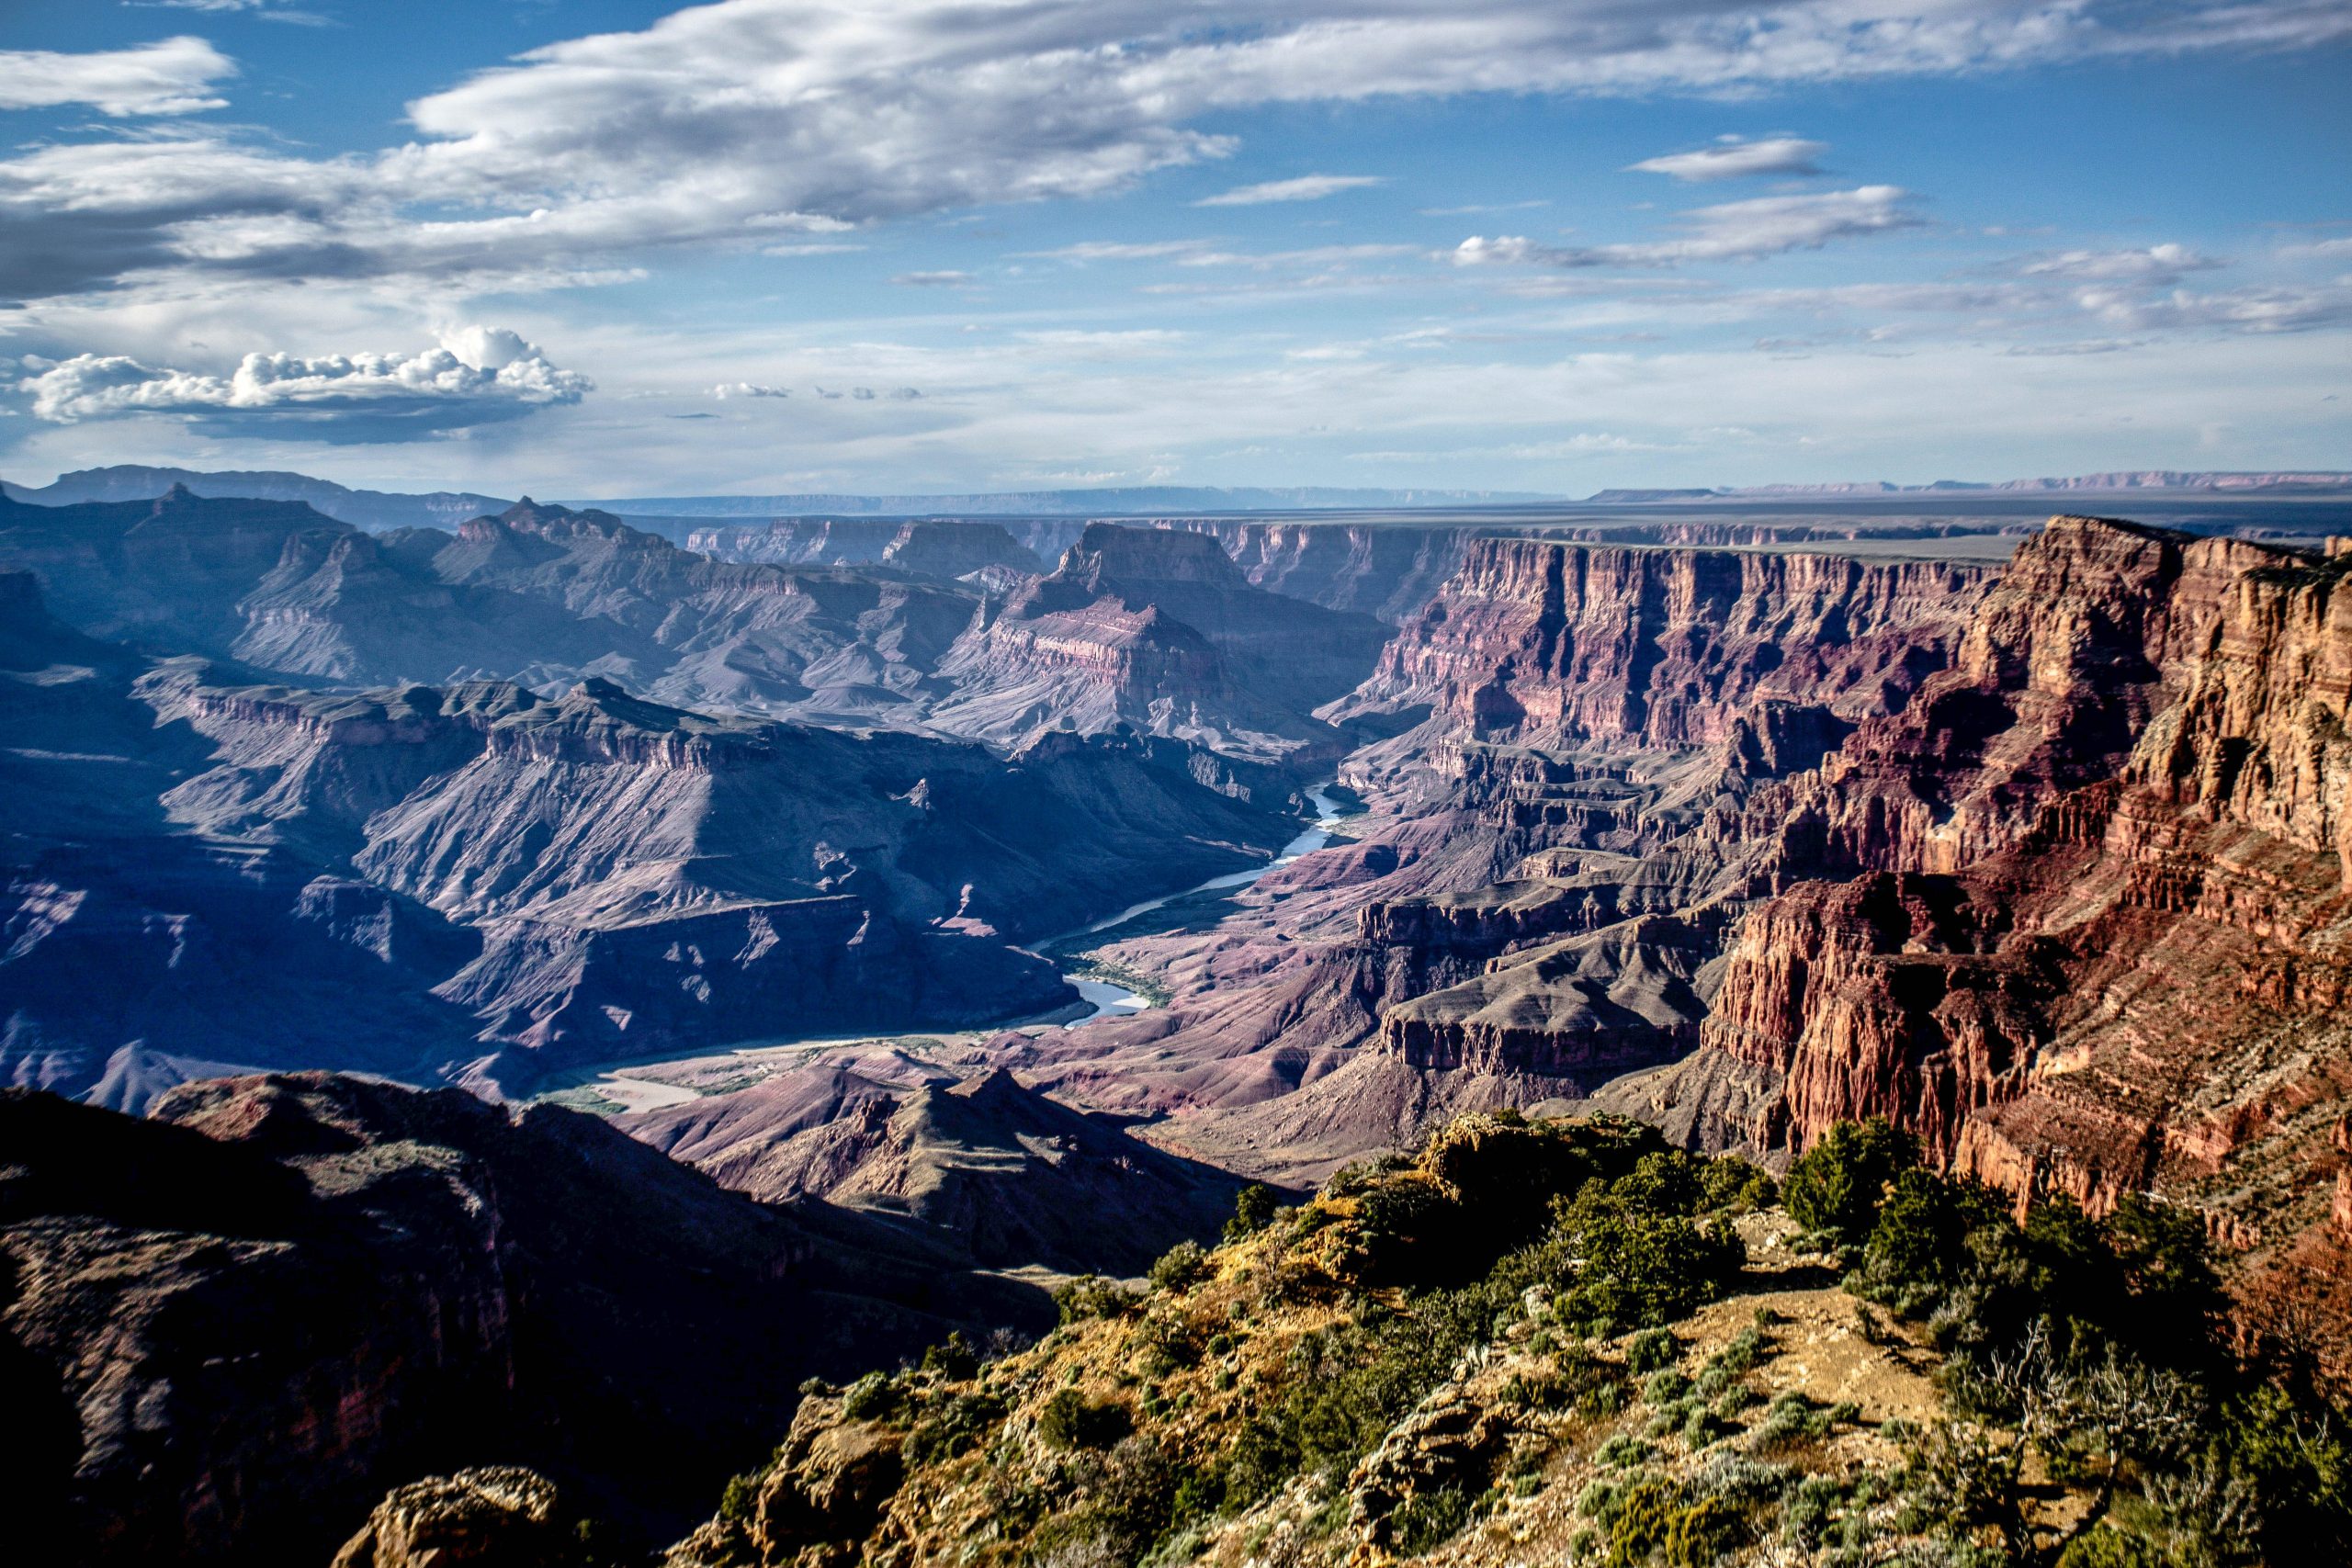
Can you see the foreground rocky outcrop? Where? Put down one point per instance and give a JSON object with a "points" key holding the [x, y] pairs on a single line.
{"points": [[498, 1515], [993, 1170], [1529, 1340], [231, 1326]]}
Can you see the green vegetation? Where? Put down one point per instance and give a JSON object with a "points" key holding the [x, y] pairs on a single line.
{"points": [[1313, 1388]]}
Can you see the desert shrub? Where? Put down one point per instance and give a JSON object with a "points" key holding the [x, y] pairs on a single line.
{"points": [[1091, 1295], [741, 1499], [1181, 1267], [1917, 1250], [1429, 1518], [1070, 1420], [872, 1398], [952, 1427], [1650, 1349], [1640, 1266], [1169, 1343], [955, 1360], [1651, 1520], [1253, 1210], [1730, 1182], [1665, 1387], [1836, 1185]]}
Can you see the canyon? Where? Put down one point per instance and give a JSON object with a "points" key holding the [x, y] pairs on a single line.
{"points": [[780, 852]]}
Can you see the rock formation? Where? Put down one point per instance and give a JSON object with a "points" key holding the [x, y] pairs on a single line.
{"points": [[2097, 944], [514, 884], [230, 1327], [1156, 629]]}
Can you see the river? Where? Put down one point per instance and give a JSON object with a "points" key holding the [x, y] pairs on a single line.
{"points": [[1109, 1000], [620, 1083]]}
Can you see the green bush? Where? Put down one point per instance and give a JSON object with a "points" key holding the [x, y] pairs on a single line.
{"points": [[1091, 1295], [952, 1427], [1836, 1185], [1181, 1267], [1070, 1420], [955, 1360], [1651, 1350], [1428, 1519], [1253, 1210], [872, 1398]]}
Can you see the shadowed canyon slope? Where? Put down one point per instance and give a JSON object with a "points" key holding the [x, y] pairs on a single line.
{"points": [[228, 1326]]}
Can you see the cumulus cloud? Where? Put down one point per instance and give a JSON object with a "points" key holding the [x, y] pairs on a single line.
{"points": [[1730, 158], [475, 375], [724, 122], [173, 75], [1733, 231], [726, 390], [1305, 188]]}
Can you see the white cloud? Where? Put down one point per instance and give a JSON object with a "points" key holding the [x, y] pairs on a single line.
{"points": [[477, 376], [2157, 263], [2257, 311], [1305, 188], [934, 280], [1731, 158], [721, 123], [726, 390], [1734, 231], [173, 75]]}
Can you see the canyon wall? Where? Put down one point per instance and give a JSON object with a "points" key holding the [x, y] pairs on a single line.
{"points": [[1564, 646], [2101, 938]]}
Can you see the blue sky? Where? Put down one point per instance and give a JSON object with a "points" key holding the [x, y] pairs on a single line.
{"points": [[908, 244]]}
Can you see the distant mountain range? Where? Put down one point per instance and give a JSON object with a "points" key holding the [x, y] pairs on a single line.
{"points": [[380, 510], [371, 509], [2146, 478], [1139, 501]]}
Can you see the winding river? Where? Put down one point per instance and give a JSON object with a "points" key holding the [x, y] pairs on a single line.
{"points": [[1109, 1000], [621, 1084]]}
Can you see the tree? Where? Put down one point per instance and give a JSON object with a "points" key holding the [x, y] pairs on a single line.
{"points": [[1835, 1186], [1253, 1210]]}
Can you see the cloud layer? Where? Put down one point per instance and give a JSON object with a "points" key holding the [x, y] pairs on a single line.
{"points": [[752, 119]]}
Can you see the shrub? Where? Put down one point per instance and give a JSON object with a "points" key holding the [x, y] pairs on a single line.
{"points": [[1253, 1210], [953, 1426], [955, 1360], [1091, 1295], [1731, 1182], [1651, 1350], [1180, 1266], [871, 1398], [1070, 1420], [1640, 1266], [1836, 1184], [1429, 1518]]}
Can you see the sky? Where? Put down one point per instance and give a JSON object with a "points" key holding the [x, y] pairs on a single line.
{"points": [[595, 247]]}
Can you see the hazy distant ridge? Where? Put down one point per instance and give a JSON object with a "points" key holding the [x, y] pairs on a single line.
{"points": [[1142, 500]]}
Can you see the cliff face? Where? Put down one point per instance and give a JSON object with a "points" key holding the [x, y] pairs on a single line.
{"points": [[1155, 629], [1566, 646], [478, 882], [230, 1327], [2102, 943]]}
